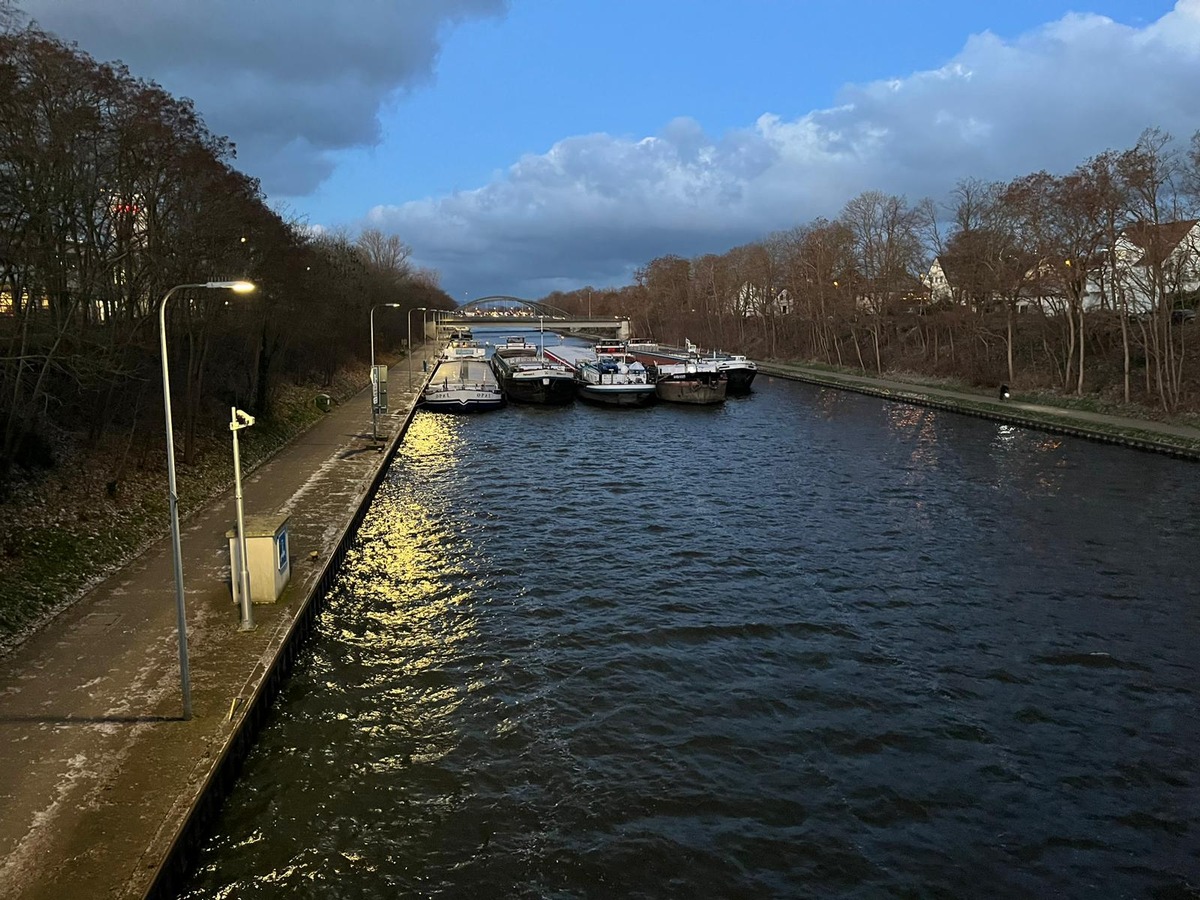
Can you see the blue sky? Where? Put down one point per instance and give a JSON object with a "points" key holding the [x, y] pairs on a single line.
{"points": [[529, 145], [547, 70]]}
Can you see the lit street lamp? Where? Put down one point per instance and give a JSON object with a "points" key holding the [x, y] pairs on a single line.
{"points": [[374, 378], [410, 312], [240, 287]]}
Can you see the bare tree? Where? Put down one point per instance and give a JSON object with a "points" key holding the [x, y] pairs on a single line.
{"points": [[1150, 173], [385, 253], [11, 17], [887, 250]]}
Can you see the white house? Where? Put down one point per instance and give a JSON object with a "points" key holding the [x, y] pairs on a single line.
{"points": [[938, 282], [756, 300], [1148, 261]]}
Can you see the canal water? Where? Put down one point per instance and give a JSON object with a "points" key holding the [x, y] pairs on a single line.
{"points": [[805, 644]]}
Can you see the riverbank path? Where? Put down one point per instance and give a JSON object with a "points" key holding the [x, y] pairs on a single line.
{"points": [[1147, 433]]}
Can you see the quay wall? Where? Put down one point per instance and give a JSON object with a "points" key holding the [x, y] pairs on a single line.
{"points": [[196, 823]]}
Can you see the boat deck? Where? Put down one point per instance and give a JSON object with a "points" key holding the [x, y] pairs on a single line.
{"points": [[569, 355]]}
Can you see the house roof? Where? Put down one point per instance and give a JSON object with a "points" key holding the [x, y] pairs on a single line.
{"points": [[964, 271], [1157, 241], [956, 267]]}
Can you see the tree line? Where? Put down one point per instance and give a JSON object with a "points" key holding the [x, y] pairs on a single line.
{"points": [[112, 191], [1039, 292]]}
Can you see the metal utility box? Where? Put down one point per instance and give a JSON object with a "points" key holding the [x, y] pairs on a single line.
{"points": [[379, 379], [268, 557]]}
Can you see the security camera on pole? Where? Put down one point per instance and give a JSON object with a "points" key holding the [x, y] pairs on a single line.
{"points": [[238, 421]]}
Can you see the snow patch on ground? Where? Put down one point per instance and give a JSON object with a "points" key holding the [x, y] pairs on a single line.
{"points": [[314, 479], [26, 856]]}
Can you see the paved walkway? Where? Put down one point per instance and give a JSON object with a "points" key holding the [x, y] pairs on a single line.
{"points": [[97, 766], [1148, 432]]}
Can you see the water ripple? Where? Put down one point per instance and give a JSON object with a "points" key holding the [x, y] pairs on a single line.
{"points": [[810, 644]]}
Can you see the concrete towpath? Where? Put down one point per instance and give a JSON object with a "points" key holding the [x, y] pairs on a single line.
{"points": [[98, 770], [1165, 437]]}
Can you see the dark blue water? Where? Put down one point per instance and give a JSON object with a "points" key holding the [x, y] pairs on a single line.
{"points": [[806, 644]]}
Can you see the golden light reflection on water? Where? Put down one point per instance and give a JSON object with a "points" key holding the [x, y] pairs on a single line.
{"points": [[412, 599], [434, 441]]}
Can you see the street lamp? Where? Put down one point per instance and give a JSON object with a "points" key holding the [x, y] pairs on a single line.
{"points": [[240, 287], [374, 379], [410, 312]]}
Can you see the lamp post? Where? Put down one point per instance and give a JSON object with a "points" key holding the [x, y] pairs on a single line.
{"points": [[180, 610], [410, 312], [374, 380]]}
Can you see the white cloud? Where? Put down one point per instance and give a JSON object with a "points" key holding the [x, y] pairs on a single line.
{"points": [[594, 207], [289, 80], [294, 81]]}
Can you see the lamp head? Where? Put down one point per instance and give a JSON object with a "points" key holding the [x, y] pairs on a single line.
{"points": [[239, 287]]}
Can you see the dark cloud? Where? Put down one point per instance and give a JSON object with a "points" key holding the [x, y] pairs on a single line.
{"points": [[594, 207], [289, 81]]}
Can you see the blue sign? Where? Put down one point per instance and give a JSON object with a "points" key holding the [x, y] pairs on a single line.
{"points": [[281, 549]]}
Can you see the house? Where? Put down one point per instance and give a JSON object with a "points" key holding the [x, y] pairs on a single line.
{"points": [[757, 300], [1150, 263], [945, 279], [961, 279], [899, 292]]}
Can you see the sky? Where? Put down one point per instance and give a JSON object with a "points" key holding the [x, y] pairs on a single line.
{"points": [[526, 146]]}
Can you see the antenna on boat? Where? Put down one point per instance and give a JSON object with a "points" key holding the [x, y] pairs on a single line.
{"points": [[541, 337]]}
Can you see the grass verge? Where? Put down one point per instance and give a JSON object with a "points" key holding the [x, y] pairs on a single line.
{"points": [[63, 533]]}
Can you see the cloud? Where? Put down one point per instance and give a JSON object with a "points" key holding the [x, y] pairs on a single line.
{"points": [[291, 81], [594, 207], [294, 81]]}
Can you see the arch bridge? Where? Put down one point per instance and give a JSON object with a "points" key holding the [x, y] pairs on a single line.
{"points": [[514, 311]]}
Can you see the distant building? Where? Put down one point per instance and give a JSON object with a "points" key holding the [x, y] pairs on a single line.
{"points": [[757, 300], [1149, 264]]}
